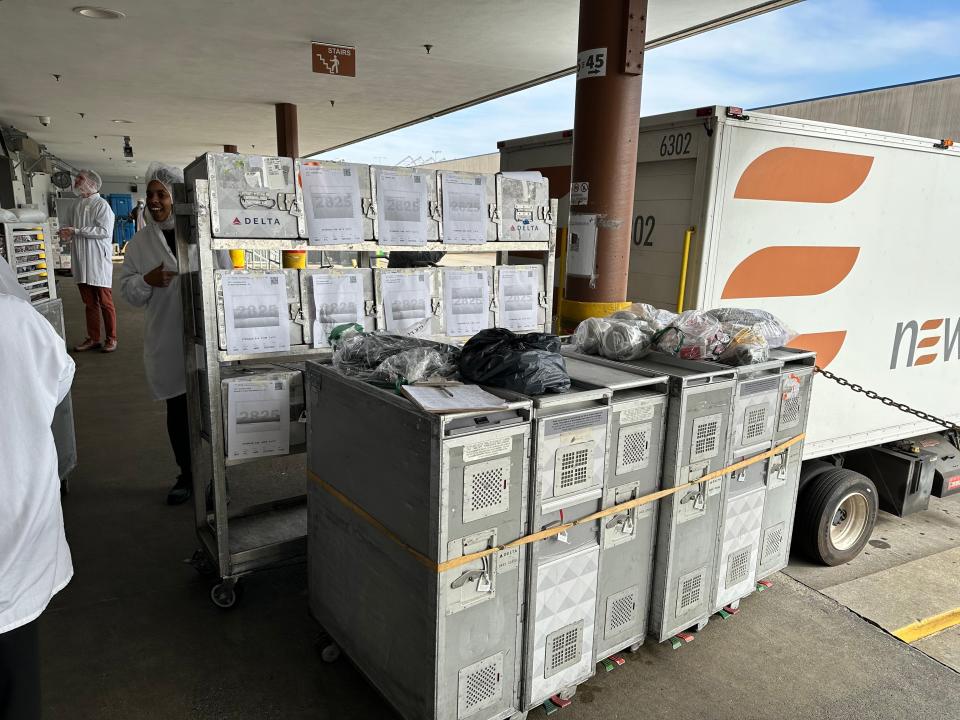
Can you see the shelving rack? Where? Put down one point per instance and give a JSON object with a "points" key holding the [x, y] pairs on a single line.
{"points": [[237, 541]]}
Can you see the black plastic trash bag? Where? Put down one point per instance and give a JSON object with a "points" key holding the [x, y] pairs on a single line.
{"points": [[530, 364]]}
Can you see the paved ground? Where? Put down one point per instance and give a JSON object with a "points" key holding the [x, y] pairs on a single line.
{"points": [[135, 636]]}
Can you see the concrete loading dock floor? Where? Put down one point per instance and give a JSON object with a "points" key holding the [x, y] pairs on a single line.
{"points": [[135, 635]]}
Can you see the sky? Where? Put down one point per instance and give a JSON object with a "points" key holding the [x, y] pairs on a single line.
{"points": [[814, 48]]}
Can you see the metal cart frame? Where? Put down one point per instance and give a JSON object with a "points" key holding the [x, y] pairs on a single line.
{"points": [[217, 530]]}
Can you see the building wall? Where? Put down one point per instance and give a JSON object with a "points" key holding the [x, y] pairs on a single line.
{"points": [[489, 163], [926, 109]]}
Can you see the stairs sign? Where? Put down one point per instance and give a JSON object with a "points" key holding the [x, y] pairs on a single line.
{"points": [[334, 59]]}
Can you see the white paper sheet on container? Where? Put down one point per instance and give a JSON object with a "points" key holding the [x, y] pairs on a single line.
{"points": [[519, 299], [466, 301], [452, 398], [582, 245], [258, 418], [276, 171], [406, 299], [337, 300], [332, 197], [402, 208], [257, 315], [464, 208]]}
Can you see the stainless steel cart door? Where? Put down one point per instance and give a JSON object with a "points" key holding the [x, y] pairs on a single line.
{"points": [[315, 205], [525, 209], [521, 298], [251, 195], [467, 308], [295, 307], [407, 309], [383, 214], [330, 317], [459, 209]]}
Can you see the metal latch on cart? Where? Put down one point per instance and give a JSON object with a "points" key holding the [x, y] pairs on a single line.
{"points": [[559, 537], [436, 306], [370, 308], [434, 209], [482, 577], [368, 207], [696, 497], [493, 211], [625, 519]]}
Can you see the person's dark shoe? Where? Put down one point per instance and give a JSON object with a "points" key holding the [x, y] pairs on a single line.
{"points": [[181, 492], [87, 344]]}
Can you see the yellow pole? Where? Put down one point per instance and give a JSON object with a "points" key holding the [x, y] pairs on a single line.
{"points": [[683, 268]]}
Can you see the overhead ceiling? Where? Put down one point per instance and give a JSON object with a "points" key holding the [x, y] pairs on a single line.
{"points": [[193, 76]]}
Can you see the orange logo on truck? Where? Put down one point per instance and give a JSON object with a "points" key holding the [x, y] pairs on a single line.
{"points": [[908, 352], [792, 174]]}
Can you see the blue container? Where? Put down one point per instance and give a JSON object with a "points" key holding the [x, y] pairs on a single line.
{"points": [[123, 226]]}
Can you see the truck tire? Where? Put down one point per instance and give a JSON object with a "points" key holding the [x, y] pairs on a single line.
{"points": [[836, 513]]}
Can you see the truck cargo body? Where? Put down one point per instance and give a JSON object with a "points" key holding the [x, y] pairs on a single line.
{"points": [[844, 233]]}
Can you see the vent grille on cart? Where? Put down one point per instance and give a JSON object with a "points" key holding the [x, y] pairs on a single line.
{"points": [[572, 468], [738, 567], [755, 422], [480, 685], [633, 452], [706, 437], [690, 592], [621, 612], [790, 412], [485, 489], [564, 647], [772, 542]]}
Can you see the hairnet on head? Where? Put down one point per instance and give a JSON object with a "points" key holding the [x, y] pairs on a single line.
{"points": [[89, 181], [167, 175]]}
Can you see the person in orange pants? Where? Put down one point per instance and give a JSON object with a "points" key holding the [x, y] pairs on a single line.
{"points": [[92, 257]]}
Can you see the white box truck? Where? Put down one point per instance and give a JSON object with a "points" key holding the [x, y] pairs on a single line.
{"points": [[847, 234]]}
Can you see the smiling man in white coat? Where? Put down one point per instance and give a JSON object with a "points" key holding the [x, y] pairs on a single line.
{"points": [[91, 255], [148, 279], [35, 561]]}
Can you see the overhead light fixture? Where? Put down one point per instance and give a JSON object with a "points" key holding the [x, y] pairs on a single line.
{"points": [[124, 122], [98, 13]]}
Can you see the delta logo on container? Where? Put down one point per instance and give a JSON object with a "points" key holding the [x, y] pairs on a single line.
{"points": [[256, 221], [910, 337]]}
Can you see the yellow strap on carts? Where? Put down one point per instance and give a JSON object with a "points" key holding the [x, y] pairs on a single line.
{"points": [[556, 529]]}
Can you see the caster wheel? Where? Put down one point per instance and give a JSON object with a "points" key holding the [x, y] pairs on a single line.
{"points": [[225, 594], [635, 648], [568, 693], [519, 716], [330, 653]]}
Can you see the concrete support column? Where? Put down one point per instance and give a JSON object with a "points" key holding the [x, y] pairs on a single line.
{"points": [[230, 148], [288, 139], [288, 145], [606, 125]]}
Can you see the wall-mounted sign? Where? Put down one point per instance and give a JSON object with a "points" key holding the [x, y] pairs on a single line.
{"points": [[334, 59]]}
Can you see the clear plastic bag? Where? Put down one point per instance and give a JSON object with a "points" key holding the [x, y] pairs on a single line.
{"points": [[625, 339], [392, 359], [588, 335], [530, 364], [775, 331], [745, 348], [657, 319], [693, 335]]}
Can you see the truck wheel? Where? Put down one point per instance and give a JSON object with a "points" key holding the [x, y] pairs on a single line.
{"points": [[836, 513]]}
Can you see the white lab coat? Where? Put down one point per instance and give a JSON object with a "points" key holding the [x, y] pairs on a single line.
{"points": [[91, 252], [163, 319], [35, 560]]}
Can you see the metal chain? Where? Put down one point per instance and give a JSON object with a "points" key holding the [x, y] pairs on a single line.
{"points": [[889, 402]]}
